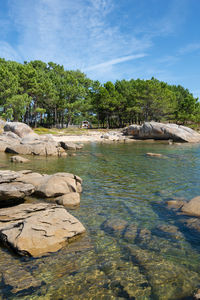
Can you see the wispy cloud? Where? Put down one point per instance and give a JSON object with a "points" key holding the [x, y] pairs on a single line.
{"points": [[115, 61], [77, 35], [8, 52], [192, 47], [91, 35]]}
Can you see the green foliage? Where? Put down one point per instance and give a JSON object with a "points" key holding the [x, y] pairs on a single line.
{"points": [[46, 94], [15, 106]]}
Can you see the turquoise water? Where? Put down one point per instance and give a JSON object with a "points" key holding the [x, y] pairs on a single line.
{"points": [[135, 248]]}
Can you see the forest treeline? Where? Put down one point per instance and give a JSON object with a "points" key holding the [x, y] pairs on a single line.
{"points": [[46, 94]]}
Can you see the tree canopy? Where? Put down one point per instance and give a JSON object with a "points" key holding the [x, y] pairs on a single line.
{"points": [[46, 94]]}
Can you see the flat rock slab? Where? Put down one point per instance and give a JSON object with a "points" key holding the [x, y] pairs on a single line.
{"points": [[15, 190], [37, 229], [8, 176]]}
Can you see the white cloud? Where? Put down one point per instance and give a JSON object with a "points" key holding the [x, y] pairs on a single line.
{"points": [[115, 61]]}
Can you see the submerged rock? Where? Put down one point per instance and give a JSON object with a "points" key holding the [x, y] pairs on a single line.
{"points": [[115, 225], [20, 280], [175, 204], [168, 279], [154, 154], [19, 159], [160, 131], [131, 233], [168, 231], [37, 229]]}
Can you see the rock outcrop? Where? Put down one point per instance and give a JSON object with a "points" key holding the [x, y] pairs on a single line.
{"points": [[18, 185], [37, 229], [18, 128], [160, 131], [19, 138]]}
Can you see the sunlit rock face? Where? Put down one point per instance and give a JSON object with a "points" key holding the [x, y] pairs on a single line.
{"points": [[160, 131]]}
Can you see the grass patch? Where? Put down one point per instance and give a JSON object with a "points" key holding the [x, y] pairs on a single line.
{"points": [[42, 130], [68, 131]]}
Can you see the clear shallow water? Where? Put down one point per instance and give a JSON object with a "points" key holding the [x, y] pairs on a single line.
{"points": [[154, 256]]}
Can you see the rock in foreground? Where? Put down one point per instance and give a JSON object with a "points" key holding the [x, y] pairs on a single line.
{"points": [[192, 207], [160, 131], [37, 229]]}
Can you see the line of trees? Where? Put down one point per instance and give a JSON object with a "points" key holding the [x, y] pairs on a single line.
{"points": [[48, 95]]}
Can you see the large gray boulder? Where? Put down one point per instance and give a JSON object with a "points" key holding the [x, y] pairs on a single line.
{"points": [[18, 128], [56, 185], [37, 229], [160, 131]]}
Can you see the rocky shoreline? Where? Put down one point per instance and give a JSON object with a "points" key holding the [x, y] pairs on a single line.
{"points": [[37, 229]]}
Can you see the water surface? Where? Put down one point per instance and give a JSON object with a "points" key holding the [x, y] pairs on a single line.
{"points": [[154, 256]]}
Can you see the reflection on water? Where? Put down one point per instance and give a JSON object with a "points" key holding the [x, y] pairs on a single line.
{"points": [[134, 247]]}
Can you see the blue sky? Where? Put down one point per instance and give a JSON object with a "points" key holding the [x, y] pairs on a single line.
{"points": [[107, 39]]}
